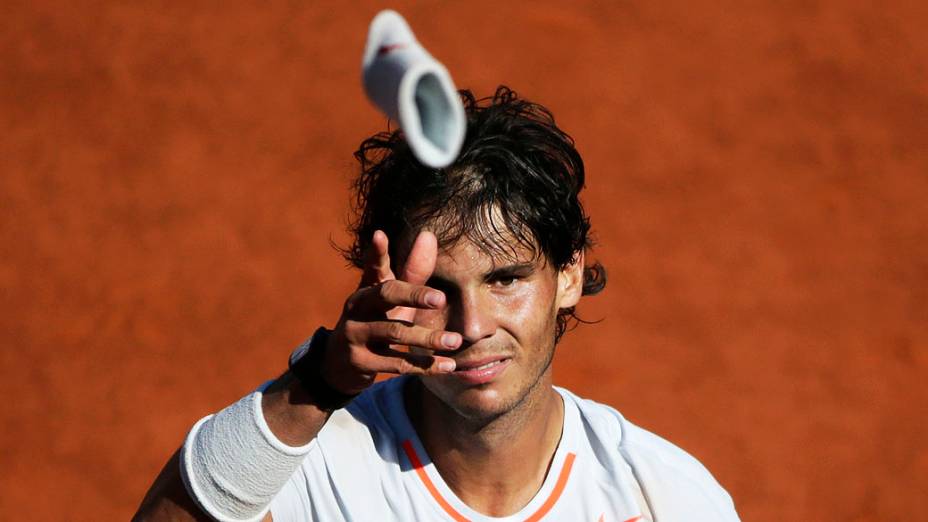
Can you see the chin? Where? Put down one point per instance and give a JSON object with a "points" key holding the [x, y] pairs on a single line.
{"points": [[476, 403]]}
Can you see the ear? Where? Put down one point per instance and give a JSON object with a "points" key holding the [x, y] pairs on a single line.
{"points": [[570, 283]]}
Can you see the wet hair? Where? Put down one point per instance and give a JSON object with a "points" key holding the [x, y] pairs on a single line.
{"points": [[515, 183]]}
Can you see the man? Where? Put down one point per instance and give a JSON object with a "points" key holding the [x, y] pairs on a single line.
{"points": [[476, 268]]}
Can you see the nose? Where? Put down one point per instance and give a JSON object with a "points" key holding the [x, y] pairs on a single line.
{"points": [[471, 316]]}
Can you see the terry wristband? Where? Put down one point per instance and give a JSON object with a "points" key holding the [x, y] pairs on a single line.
{"points": [[233, 465]]}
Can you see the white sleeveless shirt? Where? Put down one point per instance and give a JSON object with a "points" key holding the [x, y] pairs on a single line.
{"points": [[368, 464]]}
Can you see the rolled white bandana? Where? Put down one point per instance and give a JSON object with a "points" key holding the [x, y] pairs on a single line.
{"points": [[411, 86], [233, 465]]}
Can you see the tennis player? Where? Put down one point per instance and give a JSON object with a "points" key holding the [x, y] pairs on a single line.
{"points": [[469, 278]]}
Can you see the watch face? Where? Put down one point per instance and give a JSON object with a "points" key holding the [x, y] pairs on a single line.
{"points": [[299, 353]]}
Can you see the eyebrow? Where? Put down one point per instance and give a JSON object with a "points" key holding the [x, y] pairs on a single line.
{"points": [[516, 269]]}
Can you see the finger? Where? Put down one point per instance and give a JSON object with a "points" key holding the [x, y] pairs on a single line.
{"points": [[377, 261], [419, 265], [392, 294], [378, 333], [417, 268], [389, 360]]}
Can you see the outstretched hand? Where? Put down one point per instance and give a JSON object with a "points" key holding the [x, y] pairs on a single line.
{"points": [[379, 316]]}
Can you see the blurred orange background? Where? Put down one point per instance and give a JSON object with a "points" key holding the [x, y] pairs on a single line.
{"points": [[172, 174]]}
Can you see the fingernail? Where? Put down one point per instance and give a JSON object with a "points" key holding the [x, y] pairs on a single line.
{"points": [[450, 340], [433, 299], [446, 366]]}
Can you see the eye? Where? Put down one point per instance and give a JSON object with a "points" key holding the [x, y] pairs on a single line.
{"points": [[506, 280]]}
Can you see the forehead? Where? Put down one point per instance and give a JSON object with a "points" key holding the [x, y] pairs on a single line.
{"points": [[475, 253], [497, 233], [468, 256]]}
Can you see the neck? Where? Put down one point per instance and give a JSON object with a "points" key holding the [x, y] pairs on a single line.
{"points": [[495, 466]]}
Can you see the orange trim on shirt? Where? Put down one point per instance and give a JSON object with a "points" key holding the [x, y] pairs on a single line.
{"points": [[424, 477], [558, 489], [536, 516]]}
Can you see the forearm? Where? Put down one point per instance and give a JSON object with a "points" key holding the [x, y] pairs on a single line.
{"points": [[290, 414], [167, 499]]}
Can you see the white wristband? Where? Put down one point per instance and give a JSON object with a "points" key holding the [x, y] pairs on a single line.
{"points": [[411, 86], [233, 465]]}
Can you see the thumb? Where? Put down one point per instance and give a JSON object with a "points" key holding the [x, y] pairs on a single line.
{"points": [[420, 263], [417, 269]]}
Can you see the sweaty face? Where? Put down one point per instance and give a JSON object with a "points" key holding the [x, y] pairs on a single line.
{"points": [[506, 311]]}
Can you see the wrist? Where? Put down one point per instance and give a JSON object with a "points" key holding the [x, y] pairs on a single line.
{"points": [[306, 366], [292, 415]]}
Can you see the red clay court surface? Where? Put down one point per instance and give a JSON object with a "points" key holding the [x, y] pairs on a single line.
{"points": [[171, 176]]}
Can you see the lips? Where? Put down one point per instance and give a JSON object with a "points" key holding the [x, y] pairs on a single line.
{"points": [[481, 371]]}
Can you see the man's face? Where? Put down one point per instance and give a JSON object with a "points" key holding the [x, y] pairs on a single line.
{"points": [[506, 311]]}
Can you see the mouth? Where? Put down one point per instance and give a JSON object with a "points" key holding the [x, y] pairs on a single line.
{"points": [[481, 371]]}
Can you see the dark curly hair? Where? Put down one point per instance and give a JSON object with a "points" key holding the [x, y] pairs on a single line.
{"points": [[517, 177]]}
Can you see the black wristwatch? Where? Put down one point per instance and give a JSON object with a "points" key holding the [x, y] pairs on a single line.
{"points": [[306, 366]]}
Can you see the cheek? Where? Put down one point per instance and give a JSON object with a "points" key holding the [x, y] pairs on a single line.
{"points": [[516, 308], [531, 307], [435, 319]]}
